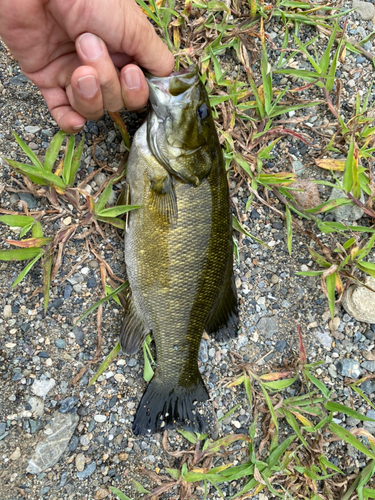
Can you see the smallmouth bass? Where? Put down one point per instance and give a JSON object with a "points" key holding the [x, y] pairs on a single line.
{"points": [[178, 250]]}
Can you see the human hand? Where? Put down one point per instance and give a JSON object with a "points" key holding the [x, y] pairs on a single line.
{"points": [[81, 54]]}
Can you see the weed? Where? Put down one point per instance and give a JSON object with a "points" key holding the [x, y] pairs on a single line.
{"points": [[295, 466]]}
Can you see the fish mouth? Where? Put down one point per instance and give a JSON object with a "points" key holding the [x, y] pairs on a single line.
{"points": [[173, 88]]}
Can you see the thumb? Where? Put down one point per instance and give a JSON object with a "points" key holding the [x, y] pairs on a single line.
{"points": [[142, 43]]}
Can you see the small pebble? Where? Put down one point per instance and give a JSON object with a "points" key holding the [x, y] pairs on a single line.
{"points": [[60, 343], [100, 418], [68, 404], [80, 462], [87, 471]]}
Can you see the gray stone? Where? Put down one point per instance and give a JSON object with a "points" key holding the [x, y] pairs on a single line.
{"points": [[352, 422], [359, 301], [100, 179], [37, 406], [111, 136], [79, 335], [298, 167], [36, 425], [112, 198], [242, 340], [60, 343], [349, 368], [73, 443], [368, 386], [365, 9], [87, 471], [324, 338], [280, 345], [91, 283], [268, 326], [14, 198], [370, 425], [58, 435], [369, 334], [19, 79], [203, 352], [131, 362], [332, 371], [42, 387], [369, 366], [346, 212], [32, 129], [84, 440], [29, 199], [68, 404], [3, 428]]}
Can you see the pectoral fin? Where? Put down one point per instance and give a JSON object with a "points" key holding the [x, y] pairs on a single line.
{"points": [[133, 330], [165, 204]]}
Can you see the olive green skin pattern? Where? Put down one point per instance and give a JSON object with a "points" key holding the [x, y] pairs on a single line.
{"points": [[178, 261]]}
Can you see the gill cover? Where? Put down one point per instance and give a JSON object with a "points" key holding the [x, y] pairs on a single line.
{"points": [[180, 127]]}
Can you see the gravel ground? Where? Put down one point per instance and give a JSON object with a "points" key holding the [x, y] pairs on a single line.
{"points": [[40, 354]]}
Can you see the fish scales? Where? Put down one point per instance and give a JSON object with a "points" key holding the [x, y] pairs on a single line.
{"points": [[178, 254]]}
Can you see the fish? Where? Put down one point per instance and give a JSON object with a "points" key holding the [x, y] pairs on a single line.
{"points": [[178, 251]]}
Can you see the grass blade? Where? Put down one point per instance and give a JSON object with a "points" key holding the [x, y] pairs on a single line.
{"points": [[33, 175], [101, 301], [108, 360], [76, 161], [100, 204], [17, 220], [53, 150], [47, 265], [19, 254], [119, 493], [68, 159], [330, 406], [289, 228], [119, 210], [31, 155], [25, 270], [345, 435]]}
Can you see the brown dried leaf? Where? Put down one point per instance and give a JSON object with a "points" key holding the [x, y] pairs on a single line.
{"points": [[258, 476]]}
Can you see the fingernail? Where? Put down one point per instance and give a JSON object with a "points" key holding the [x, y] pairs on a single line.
{"points": [[91, 46], [88, 85], [78, 127], [132, 78]]}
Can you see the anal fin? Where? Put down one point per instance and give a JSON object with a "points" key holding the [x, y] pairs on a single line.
{"points": [[223, 318], [133, 330]]}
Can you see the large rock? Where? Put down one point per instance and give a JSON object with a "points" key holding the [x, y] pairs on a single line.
{"points": [[359, 301], [48, 452], [348, 213], [365, 9], [349, 368]]}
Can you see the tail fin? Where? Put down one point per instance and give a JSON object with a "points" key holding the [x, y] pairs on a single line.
{"points": [[164, 407]]}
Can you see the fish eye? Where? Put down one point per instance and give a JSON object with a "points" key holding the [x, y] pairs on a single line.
{"points": [[203, 111]]}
